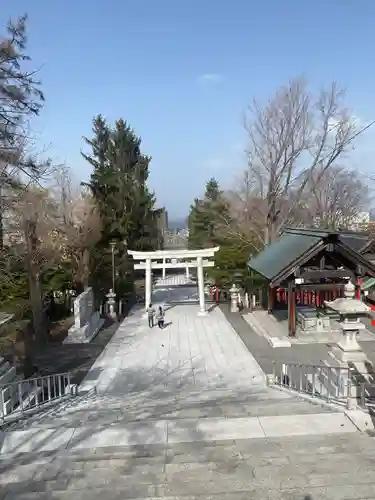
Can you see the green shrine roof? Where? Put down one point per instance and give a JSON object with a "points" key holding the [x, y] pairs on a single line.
{"points": [[368, 284], [294, 243]]}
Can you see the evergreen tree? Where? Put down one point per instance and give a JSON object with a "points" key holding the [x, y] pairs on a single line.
{"points": [[101, 183], [206, 221], [21, 98], [21, 95], [119, 187], [205, 217]]}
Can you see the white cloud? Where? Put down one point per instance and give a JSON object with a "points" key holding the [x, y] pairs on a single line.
{"points": [[209, 78]]}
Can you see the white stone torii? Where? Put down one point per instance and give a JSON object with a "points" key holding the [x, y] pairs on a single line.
{"points": [[196, 259]]}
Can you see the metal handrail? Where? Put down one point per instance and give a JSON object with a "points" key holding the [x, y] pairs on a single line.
{"points": [[329, 383], [333, 384], [366, 397], [23, 397]]}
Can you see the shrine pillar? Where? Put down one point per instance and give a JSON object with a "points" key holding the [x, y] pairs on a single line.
{"points": [[291, 309], [148, 287], [202, 306]]}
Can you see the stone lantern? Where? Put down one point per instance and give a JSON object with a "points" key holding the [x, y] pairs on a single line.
{"points": [[111, 296], [233, 298], [350, 311], [347, 349]]}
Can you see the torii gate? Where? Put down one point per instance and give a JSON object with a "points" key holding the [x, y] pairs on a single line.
{"points": [[192, 259]]}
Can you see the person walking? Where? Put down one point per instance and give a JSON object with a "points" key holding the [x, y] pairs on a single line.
{"points": [[160, 317], [150, 314]]}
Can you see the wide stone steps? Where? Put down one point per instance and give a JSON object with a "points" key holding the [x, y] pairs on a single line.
{"points": [[106, 410], [163, 432], [324, 467]]}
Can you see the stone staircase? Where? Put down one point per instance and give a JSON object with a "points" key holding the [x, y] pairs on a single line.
{"points": [[320, 467], [114, 420], [170, 424], [102, 410], [260, 443]]}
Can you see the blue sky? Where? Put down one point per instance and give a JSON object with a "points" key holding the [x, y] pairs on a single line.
{"points": [[181, 72]]}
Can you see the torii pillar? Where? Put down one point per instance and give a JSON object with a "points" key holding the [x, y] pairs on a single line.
{"points": [[202, 303]]}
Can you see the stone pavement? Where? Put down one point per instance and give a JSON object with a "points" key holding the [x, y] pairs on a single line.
{"points": [[265, 354], [174, 295], [174, 280], [197, 367], [339, 467], [275, 328], [183, 412], [191, 353]]}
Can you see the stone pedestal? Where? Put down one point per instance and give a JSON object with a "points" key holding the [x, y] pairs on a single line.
{"points": [[348, 350], [87, 321]]}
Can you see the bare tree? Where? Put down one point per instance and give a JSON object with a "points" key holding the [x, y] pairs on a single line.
{"points": [[335, 198], [83, 232], [34, 222], [293, 137], [241, 221], [79, 225]]}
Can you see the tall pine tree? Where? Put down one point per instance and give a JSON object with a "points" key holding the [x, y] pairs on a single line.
{"points": [[205, 216], [119, 187], [207, 219]]}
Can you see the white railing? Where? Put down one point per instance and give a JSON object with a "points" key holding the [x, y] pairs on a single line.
{"points": [[332, 384], [21, 398]]}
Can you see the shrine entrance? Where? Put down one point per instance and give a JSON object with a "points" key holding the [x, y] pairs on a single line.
{"points": [[175, 259], [304, 269]]}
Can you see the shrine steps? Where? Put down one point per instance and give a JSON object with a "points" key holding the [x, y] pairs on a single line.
{"points": [[106, 410], [334, 467]]}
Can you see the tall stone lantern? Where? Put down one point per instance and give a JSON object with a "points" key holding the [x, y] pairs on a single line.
{"points": [[233, 298], [111, 301], [347, 349], [350, 311]]}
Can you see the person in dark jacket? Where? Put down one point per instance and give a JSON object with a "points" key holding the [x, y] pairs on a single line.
{"points": [[160, 317]]}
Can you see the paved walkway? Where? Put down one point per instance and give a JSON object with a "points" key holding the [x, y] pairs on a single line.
{"points": [[336, 467], [195, 380], [191, 354], [174, 280], [184, 412]]}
